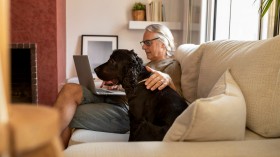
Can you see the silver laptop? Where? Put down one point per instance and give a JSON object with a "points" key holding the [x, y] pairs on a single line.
{"points": [[86, 79]]}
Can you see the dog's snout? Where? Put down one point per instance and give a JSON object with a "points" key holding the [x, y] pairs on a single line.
{"points": [[97, 69]]}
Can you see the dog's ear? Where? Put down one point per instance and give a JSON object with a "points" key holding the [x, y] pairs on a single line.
{"points": [[137, 59], [131, 72], [129, 80]]}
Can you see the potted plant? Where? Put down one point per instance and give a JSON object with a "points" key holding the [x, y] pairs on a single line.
{"points": [[138, 11]]}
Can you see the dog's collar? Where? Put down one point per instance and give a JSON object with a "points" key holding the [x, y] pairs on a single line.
{"points": [[142, 81]]}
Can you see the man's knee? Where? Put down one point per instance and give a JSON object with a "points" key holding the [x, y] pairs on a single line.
{"points": [[71, 87], [72, 91]]}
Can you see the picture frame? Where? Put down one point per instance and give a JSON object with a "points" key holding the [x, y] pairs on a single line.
{"points": [[98, 48]]}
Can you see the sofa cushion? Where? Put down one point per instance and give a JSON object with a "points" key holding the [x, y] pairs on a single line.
{"points": [[85, 136], [255, 66], [255, 148], [221, 116], [189, 56]]}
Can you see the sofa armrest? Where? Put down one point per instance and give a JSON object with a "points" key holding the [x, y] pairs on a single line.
{"points": [[256, 148]]}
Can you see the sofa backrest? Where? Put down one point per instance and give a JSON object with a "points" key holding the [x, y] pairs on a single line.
{"points": [[255, 65]]}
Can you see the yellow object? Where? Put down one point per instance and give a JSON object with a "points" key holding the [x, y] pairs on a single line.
{"points": [[25, 129]]}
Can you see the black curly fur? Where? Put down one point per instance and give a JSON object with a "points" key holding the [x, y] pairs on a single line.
{"points": [[132, 70], [151, 113]]}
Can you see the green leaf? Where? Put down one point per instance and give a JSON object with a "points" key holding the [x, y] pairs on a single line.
{"points": [[265, 5], [138, 6]]}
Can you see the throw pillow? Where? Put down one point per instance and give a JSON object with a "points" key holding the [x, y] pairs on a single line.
{"points": [[220, 116]]}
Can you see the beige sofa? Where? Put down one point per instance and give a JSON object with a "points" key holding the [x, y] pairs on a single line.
{"points": [[234, 87]]}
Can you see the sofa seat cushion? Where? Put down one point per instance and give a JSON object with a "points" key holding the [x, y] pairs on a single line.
{"points": [[255, 148], [221, 116], [250, 135], [85, 136]]}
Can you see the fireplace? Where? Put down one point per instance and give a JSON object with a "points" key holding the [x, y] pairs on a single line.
{"points": [[24, 84]]}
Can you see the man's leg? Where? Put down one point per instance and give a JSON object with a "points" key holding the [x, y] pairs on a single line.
{"points": [[67, 101], [65, 136], [102, 117], [94, 114]]}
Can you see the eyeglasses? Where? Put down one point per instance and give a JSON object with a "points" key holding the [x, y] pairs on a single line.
{"points": [[148, 42]]}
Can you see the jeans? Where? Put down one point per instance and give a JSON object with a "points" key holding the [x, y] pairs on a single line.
{"points": [[101, 113]]}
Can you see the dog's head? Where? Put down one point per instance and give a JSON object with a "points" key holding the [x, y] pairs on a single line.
{"points": [[123, 68]]}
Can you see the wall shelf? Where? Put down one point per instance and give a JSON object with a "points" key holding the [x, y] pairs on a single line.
{"points": [[143, 24]]}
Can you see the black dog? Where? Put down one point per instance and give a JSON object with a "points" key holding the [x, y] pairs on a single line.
{"points": [[151, 113]]}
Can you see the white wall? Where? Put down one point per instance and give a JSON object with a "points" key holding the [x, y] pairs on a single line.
{"points": [[105, 17]]}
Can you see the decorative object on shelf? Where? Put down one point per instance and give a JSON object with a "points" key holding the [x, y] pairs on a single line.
{"points": [[138, 11], [155, 11]]}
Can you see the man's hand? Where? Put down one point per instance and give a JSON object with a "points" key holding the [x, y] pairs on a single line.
{"points": [[109, 85], [158, 80]]}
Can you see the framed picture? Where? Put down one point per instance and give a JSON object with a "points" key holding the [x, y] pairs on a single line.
{"points": [[98, 48]]}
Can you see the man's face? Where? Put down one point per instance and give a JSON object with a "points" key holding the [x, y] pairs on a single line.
{"points": [[154, 48]]}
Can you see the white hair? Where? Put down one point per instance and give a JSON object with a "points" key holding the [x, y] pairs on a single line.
{"points": [[165, 36]]}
